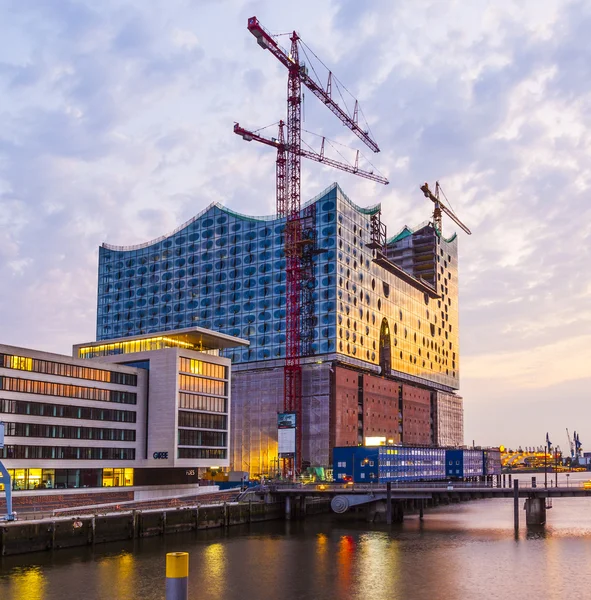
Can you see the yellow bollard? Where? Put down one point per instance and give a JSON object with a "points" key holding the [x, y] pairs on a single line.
{"points": [[177, 576]]}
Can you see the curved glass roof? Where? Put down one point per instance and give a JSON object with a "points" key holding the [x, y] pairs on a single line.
{"points": [[368, 211]]}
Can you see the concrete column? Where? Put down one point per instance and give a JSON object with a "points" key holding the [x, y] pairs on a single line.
{"points": [[288, 508], [421, 501], [535, 511], [504, 480], [389, 503]]}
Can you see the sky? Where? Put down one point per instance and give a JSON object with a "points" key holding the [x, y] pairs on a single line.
{"points": [[117, 127]]}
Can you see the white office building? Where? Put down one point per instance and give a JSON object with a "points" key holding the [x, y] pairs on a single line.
{"points": [[148, 410]]}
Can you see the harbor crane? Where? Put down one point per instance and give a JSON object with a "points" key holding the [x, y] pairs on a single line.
{"points": [[441, 208], [578, 446], [288, 176], [571, 444]]}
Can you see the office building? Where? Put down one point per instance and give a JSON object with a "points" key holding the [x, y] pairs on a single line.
{"points": [[152, 410], [380, 335]]}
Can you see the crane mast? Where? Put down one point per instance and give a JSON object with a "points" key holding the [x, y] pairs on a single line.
{"points": [[288, 176]]}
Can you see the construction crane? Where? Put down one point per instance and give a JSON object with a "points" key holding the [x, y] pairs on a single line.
{"points": [[288, 176], [441, 208], [571, 444], [281, 147]]}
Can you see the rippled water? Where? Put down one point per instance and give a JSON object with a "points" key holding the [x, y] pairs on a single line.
{"points": [[458, 552]]}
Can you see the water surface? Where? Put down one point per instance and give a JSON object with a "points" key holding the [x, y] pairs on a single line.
{"points": [[459, 552]]}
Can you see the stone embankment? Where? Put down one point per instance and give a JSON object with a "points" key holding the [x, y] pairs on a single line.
{"points": [[86, 526]]}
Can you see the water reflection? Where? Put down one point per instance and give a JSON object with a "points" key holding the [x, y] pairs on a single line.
{"points": [[459, 552], [377, 566], [26, 584], [213, 571], [346, 548]]}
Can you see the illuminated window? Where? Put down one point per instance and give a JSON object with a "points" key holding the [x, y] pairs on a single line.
{"points": [[21, 362]]}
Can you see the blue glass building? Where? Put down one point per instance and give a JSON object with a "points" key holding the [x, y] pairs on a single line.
{"points": [[389, 311]]}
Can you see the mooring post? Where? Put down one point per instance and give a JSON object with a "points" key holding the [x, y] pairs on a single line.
{"points": [[177, 576], [516, 504], [389, 503]]}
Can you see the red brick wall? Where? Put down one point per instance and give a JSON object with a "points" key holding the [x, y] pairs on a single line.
{"points": [[416, 415], [344, 414], [380, 408]]}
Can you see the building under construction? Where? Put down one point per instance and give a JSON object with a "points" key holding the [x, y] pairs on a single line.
{"points": [[379, 322], [353, 336]]}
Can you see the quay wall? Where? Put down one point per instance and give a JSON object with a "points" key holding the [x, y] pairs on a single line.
{"points": [[20, 537]]}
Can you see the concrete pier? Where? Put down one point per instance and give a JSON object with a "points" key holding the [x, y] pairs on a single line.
{"points": [[535, 511]]}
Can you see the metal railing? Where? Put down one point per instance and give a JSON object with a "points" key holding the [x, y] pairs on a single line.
{"points": [[437, 485]]}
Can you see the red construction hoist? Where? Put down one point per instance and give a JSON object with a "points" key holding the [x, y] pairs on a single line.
{"points": [[288, 172]]}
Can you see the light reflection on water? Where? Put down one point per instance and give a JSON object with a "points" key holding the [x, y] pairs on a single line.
{"points": [[460, 552]]}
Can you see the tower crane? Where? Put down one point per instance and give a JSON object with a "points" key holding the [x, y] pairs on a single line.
{"points": [[288, 176], [441, 208]]}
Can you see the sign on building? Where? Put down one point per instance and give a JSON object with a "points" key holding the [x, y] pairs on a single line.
{"points": [[286, 434]]}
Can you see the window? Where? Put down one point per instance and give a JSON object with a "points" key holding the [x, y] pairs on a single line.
{"points": [[66, 453], [189, 437], [22, 363], [200, 384], [205, 403], [202, 420], [22, 407], [46, 388], [202, 453], [39, 430]]}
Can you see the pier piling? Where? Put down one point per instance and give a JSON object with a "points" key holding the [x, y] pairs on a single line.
{"points": [[516, 504]]}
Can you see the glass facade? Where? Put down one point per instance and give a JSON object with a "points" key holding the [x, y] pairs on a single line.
{"points": [[17, 451], [202, 434], [38, 430], [65, 411], [47, 388], [225, 271], [26, 363], [141, 345], [407, 463], [48, 479]]}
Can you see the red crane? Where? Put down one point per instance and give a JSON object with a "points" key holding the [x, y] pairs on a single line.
{"points": [[288, 173]]}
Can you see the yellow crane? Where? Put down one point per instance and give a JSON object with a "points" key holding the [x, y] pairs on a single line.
{"points": [[441, 208]]}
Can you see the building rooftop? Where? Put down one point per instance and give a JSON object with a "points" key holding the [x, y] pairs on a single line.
{"points": [[190, 338]]}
